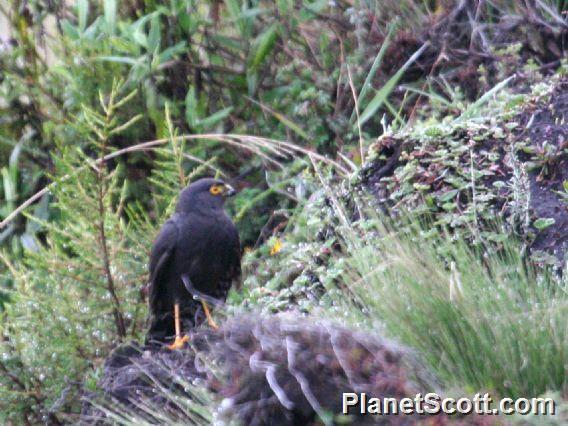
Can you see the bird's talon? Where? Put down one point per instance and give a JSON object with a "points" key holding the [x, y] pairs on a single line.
{"points": [[179, 342]]}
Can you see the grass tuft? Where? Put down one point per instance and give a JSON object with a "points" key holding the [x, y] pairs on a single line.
{"points": [[481, 317]]}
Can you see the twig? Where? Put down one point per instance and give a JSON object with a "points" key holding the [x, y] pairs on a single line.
{"points": [[118, 317]]}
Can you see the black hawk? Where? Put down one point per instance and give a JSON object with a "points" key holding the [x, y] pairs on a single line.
{"points": [[194, 261]]}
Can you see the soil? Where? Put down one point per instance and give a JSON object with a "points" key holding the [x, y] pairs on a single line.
{"points": [[549, 125]]}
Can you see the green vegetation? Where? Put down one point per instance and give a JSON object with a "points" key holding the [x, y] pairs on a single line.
{"points": [[466, 312], [109, 108]]}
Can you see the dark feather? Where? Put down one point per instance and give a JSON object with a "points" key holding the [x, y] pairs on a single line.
{"points": [[160, 258], [200, 242]]}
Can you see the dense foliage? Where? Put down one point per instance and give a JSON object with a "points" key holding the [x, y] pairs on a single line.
{"points": [[109, 108]]}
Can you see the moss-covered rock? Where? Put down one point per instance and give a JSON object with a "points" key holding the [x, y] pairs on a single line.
{"points": [[508, 163]]}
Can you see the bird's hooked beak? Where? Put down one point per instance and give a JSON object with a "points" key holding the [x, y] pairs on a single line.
{"points": [[229, 190]]}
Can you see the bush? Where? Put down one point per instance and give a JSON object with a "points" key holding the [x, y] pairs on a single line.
{"points": [[191, 79]]}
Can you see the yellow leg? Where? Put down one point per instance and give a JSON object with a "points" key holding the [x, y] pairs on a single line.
{"points": [[212, 323], [179, 341]]}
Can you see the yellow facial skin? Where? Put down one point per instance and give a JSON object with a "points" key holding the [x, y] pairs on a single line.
{"points": [[217, 189]]}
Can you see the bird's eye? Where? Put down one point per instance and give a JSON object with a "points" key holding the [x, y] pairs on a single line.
{"points": [[216, 189]]}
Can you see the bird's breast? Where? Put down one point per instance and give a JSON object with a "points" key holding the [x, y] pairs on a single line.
{"points": [[204, 247]]}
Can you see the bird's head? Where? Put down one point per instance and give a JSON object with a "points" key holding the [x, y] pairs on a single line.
{"points": [[204, 194]]}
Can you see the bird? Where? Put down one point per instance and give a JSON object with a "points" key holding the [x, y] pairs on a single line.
{"points": [[194, 262]]}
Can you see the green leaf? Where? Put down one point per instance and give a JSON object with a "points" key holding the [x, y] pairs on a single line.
{"points": [[565, 185], [110, 15], [449, 206], [187, 22], [263, 46], [471, 109], [215, 118], [495, 237], [41, 212], [252, 13], [82, 14], [448, 195], [69, 30], [283, 119], [252, 80], [137, 30], [13, 161], [430, 95], [227, 42], [124, 46], [9, 186], [154, 35], [63, 72], [94, 29], [317, 6], [235, 13], [172, 51], [382, 94], [376, 63], [543, 223], [191, 113], [118, 59], [284, 6], [233, 9], [421, 187]]}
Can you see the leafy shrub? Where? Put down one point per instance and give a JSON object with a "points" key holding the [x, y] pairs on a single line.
{"points": [[107, 76]]}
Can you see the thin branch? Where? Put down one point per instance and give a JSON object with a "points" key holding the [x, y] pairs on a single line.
{"points": [[118, 317], [231, 139], [105, 130]]}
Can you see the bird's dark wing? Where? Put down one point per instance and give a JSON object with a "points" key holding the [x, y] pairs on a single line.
{"points": [[233, 267], [235, 260], [160, 257]]}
